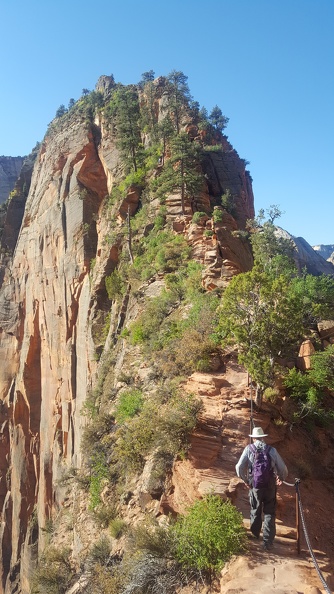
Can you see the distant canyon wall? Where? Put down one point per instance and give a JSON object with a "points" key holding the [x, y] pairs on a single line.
{"points": [[10, 168]]}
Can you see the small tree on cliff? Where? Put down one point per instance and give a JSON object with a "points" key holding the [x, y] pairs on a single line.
{"points": [[123, 110], [182, 170], [217, 119], [178, 94]]}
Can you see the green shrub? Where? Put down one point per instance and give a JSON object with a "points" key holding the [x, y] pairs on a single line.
{"points": [[117, 527], [115, 285], [134, 441], [271, 394], [228, 202], [210, 533], [162, 427], [53, 574], [198, 216], [217, 215], [106, 580], [100, 551], [99, 473], [104, 514], [129, 404], [322, 368]]}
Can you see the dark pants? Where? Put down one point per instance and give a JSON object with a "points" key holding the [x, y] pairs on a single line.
{"points": [[263, 501]]}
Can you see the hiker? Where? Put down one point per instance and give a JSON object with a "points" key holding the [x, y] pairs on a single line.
{"points": [[261, 468]]}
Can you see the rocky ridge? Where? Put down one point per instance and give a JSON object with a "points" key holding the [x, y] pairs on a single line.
{"points": [[53, 303], [64, 239]]}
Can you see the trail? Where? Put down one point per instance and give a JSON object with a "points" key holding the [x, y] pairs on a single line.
{"points": [[216, 446]]}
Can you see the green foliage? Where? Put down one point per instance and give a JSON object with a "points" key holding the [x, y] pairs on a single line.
{"points": [[210, 533], [179, 345], [163, 426], [228, 202], [310, 387], [124, 114], [99, 473], [106, 580], [322, 368], [217, 119], [262, 315], [178, 93], [198, 217], [217, 215], [161, 251], [160, 220], [115, 285], [117, 527], [100, 551], [150, 537], [271, 249], [317, 295], [271, 395], [128, 405], [181, 173], [54, 573], [61, 111]]}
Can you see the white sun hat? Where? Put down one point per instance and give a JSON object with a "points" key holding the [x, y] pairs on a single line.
{"points": [[258, 433]]}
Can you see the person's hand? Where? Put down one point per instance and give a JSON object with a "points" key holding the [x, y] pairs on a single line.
{"points": [[278, 481]]}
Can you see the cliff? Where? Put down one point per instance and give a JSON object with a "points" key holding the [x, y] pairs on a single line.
{"points": [[326, 251], [64, 239], [116, 248], [307, 257], [10, 168]]}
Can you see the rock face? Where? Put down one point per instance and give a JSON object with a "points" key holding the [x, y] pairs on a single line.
{"points": [[326, 251], [52, 300], [10, 168], [307, 257]]}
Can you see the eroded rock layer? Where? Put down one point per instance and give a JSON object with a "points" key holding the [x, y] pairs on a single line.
{"points": [[52, 298]]}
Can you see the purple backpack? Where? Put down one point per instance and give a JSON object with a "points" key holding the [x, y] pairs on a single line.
{"points": [[262, 471]]}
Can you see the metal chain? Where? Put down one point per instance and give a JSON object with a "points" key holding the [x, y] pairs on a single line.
{"points": [[301, 511]]}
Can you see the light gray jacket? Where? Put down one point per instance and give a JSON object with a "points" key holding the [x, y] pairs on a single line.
{"points": [[247, 457]]}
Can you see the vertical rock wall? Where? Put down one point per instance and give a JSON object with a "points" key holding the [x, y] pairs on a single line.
{"points": [[48, 301]]}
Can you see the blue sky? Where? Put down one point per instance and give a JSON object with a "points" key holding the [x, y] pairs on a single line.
{"points": [[268, 64]]}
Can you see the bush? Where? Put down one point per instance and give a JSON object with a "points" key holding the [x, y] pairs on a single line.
{"points": [[115, 285], [198, 216], [117, 527], [228, 202], [129, 404], [271, 394], [105, 580], [54, 573], [100, 551], [210, 533], [165, 428], [217, 215]]}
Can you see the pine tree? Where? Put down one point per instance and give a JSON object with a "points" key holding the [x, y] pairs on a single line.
{"points": [[123, 110], [179, 96]]}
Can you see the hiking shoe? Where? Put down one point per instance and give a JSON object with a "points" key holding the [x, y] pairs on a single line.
{"points": [[253, 535], [267, 546]]}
